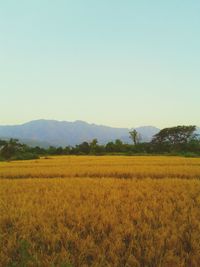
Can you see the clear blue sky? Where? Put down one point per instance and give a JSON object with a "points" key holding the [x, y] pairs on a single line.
{"points": [[119, 63]]}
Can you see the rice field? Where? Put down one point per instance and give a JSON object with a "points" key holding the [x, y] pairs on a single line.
{"points": [[103, 167], [100, 211]]}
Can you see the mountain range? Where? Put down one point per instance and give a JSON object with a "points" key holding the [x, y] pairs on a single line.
{"points": [[62, 133]]}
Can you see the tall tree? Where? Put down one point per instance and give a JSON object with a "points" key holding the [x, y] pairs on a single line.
{"points": [[93, 146], [135, 136]]}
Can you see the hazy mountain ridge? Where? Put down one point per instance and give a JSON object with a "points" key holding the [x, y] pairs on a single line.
{"points": [[62, 133]]}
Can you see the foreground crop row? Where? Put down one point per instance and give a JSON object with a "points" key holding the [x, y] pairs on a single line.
{"points": [[99, 222]]}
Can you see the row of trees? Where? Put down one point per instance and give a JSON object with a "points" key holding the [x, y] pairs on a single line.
{"points": [[12, 149], [180, 139]]}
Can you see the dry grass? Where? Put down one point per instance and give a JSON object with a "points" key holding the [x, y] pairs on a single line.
{"points": [[104, 166], [100, 222]]}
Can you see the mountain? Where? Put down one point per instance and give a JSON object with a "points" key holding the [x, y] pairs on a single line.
{"points": [[62, 133]]}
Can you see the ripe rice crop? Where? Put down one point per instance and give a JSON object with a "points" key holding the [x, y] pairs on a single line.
{"points": [[77, 219], [103, 166]]}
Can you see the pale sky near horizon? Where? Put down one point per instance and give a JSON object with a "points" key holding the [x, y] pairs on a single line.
{"points": [[119, 63]]}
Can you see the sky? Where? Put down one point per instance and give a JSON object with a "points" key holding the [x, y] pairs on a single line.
{"points": [[119, 63]]}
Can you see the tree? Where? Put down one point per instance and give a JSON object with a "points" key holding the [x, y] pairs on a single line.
{"points": [[135, 136], [175, 135], [59, 150], [119, 145], [93, 146], [84, 148], [2, 143], [11, 148], [110, 147], [175, 139], [52, 150]]}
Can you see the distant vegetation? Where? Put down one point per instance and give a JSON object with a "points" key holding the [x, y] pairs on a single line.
{"points": [[179, 140], [13, 150]]}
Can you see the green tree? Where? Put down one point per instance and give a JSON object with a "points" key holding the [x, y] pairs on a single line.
{"points": [[135, 136], [176, 139], [93, 146], [84, 148], [2, 143], [119, 145], [11, 148], [110, 147], [175, 135], [51, 150]]}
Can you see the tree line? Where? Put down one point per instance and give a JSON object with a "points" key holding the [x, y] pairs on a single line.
{"points": [[181, 140]]}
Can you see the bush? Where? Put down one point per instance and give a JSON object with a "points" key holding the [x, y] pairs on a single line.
{"points": [[25, 156]]}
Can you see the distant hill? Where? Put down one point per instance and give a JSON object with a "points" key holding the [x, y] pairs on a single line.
{"points": [[62, 133]]}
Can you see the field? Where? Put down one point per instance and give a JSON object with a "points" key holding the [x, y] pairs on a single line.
{"points": [[100, 211]]}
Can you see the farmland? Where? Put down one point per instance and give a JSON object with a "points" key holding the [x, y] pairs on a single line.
{"points": [[100, 211]]}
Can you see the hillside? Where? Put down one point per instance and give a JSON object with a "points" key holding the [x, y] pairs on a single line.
{"points": [[62, 133]]}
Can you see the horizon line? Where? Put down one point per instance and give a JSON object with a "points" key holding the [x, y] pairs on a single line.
{"points": [[90, 123]]}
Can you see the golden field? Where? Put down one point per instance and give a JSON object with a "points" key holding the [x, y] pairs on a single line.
{"points": [[100, 211], [103, 166]]}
